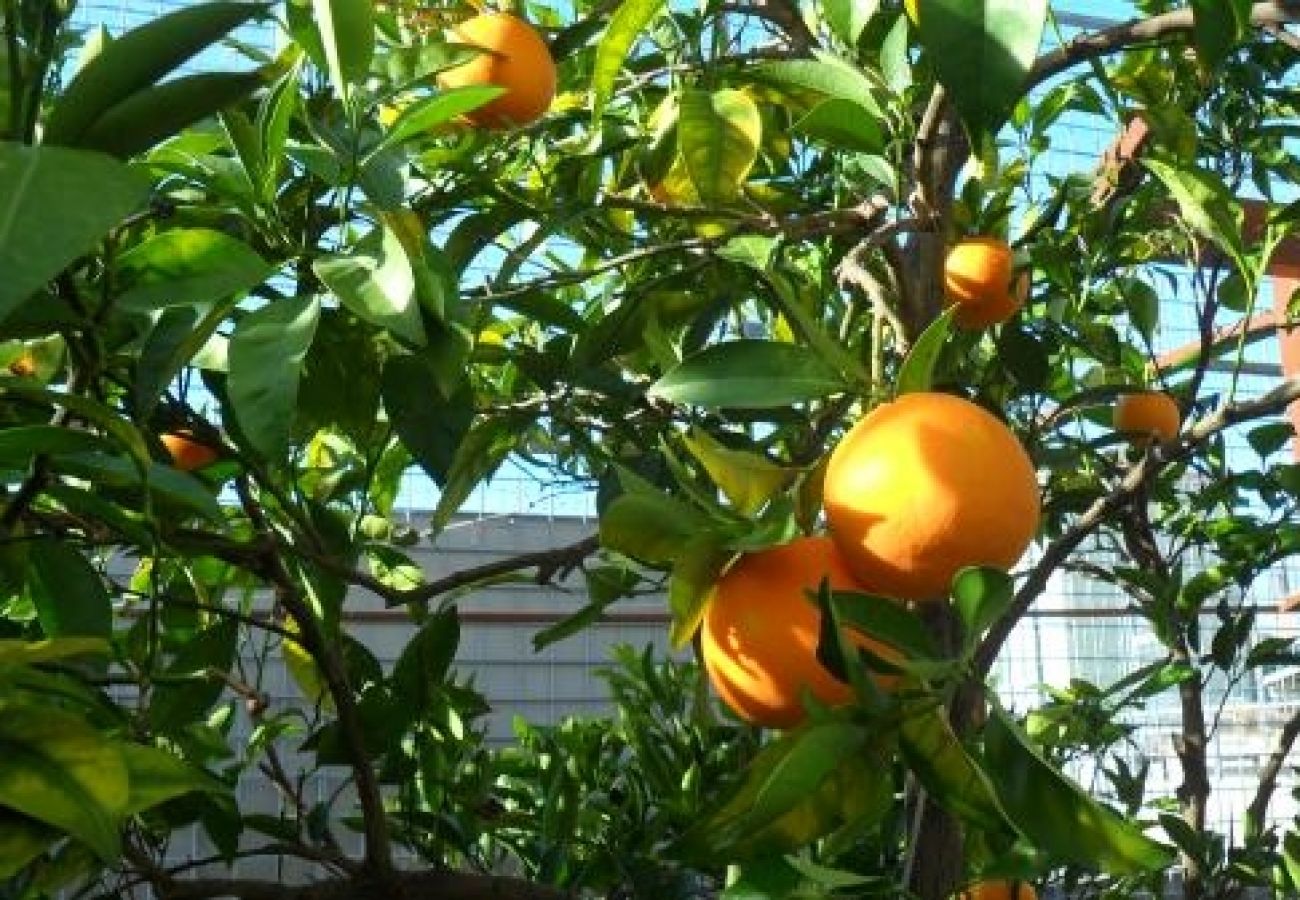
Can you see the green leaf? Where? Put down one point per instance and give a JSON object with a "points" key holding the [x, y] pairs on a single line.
{"points": [[956, 782], [60, 771], [1057, 814], [1217, 27], [266, 358], [421, 671], [982, 51], [827, 75], [749, 374], [347, 34], [156, 776], [377, 283], [981, 595], [783, 802], [748, 480], [652, 527], [630, 19], [178, 703], [488, 442], [22, 839], [419, 118], [14, 652], [917, 372], [147, 118], [848, 18], [136, 60], [45, 221], [696, 570], [844, 125], [18, 446], [274, 117], [188, 265], [167, 485], [429, 424], [718, 136], [119, 429], [885, 620], [70, 597], [1207, 204]]}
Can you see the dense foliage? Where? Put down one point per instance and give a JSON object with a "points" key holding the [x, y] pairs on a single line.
{"points": [[722, 244]]}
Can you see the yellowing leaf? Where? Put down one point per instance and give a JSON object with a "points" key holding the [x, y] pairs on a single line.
{"points": [[718, 136], [746, 479]]}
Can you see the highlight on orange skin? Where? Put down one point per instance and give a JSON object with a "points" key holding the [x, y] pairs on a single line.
{"points": [[514, 57], [186, 453], [925, 486], [1144, 416], [980, 281], [999, 890], [759, 636]]}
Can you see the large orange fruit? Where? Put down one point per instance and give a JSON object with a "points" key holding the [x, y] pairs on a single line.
{"points": [[759, 636], [925, 486], [1000, 890], [187, 454], [1146, 415], [977, 279], [514, 57]]}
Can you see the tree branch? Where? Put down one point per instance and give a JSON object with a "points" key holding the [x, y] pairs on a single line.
{"points": [[1258, 808], [1274, 401]]}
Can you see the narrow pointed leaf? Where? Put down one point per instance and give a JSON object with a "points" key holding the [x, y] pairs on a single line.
{"points": [[629, 21], [266, 358], [749, 374]]}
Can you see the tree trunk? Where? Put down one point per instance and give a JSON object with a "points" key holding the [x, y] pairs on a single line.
{"points": [[1194, 792]]}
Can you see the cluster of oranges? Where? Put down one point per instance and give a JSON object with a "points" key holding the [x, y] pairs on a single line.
{"points": [[921, 488]]}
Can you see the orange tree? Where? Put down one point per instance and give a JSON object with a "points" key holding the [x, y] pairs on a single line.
{"points": [[721, 244]]}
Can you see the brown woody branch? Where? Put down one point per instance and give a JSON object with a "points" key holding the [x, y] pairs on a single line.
{"points": [[1258, 809]]}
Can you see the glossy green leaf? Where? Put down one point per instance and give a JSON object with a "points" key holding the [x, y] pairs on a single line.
{"points": [[936, 756], [191, 689], [421, 670], [347, 34], [188, 265], [70, 597], [156, 776], [377, 283], [61, 772], [20, 445], [147, 118], [22, 839], [718, 137], [917, 373], [487, 443], [747, 479], [429, 424], [45, 221], [429, 113], [14, 652], [1217, 27], [696, 570], [885, 620], [848, 18], [982, 51], [168, 486], [652, 527], [1207, 205], [274, 117], [134, 61], [844, 125], [266, 358], [827, 75], [980, 596], [1057, 814], [750, 374], [630, 20]]}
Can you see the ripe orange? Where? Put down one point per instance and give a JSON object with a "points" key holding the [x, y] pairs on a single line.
{"points": [[1000, 890], [513, 56], [925, 486], [977, 278], [187, 454], [759, 636], [1147, 415]]}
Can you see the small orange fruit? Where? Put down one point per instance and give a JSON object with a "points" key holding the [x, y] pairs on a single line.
{"points": [[187, 454], [977, 278], [925, 486], [759, 635], [1000, 890], [514, 57], [1144, 416]]}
